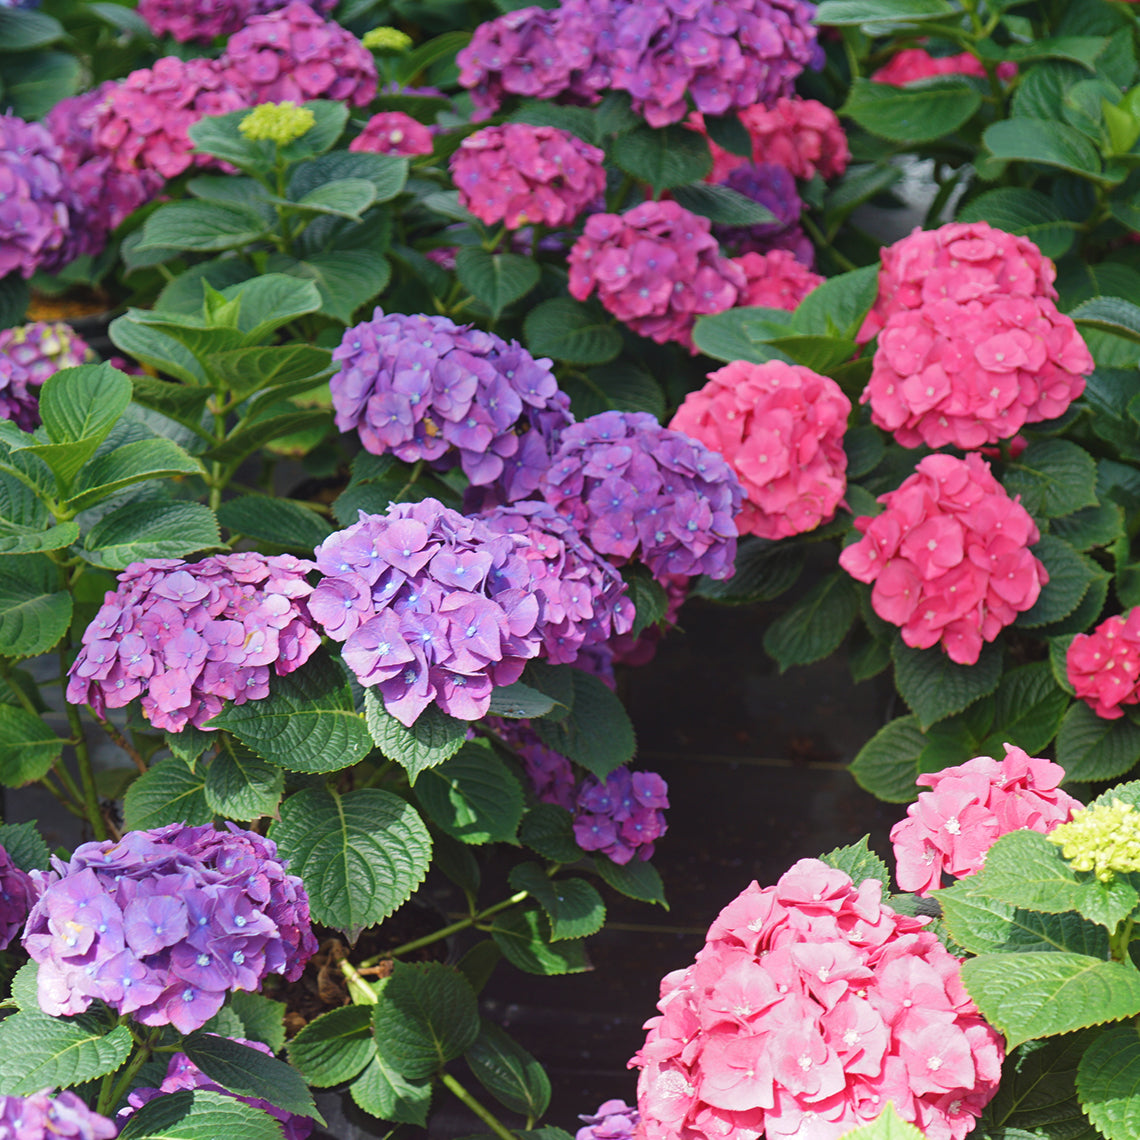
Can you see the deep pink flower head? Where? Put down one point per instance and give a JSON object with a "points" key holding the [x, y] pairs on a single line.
{"points": [[780, 426], [1104, 666], [614, 1120], [29, 354], [970, 372], [393, 132], [163, 924], [522, 175], [17, 894], [44, 1117], [34, 218], [913, 64], [810, 1006], [949, 557], [949, 829], [656, 268], [776, 280], [294, 54], [186, 638], [194, 21]]}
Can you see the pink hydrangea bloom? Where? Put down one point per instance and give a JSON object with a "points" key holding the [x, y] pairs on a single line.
{"points": [[949, 829], [949, 557], [1104, 666], [780, 426], [194, 21], [776, 279], [393, 132], [522, 175], [913, 64], [812, 1004], [971, 372], [656, 267]]}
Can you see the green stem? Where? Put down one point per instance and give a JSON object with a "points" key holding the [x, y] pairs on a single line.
{"points": [[1118, 941], [817, 235], [413, 478], [485, 1115], [90, 797], [112, 1091], [362, 993], [17, 691]]}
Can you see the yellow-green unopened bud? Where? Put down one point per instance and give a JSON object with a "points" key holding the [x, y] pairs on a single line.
{"points": [[1103, 838], [387, 40], [282, 123]]}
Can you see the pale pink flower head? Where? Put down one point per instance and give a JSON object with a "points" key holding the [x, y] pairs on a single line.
{"points": [[776, 279], [810, 1006], [780, 426], [912, 64], [393, 132], [1104, 666], [949, 557], [949, 829]]}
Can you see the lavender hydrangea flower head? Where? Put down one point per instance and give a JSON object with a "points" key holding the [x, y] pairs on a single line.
{"points": [[186, 638], [17, 894], [163, 924], [431, 606], [550, 774], [636, 490], [33, 196], [44, 1117], [29, 354], [614, 1120], [774, 187], [425, 388]]}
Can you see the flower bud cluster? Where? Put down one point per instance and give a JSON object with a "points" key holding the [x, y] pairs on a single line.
{"points": [[45, 1117], [29, 354], [1104, 666], [280, 123], [17, 894], [393, 132], [1102, 838], [34, 219]]}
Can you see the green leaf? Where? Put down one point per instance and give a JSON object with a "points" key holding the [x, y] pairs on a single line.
{"points": [[22, 30], [258, 432], [150, 530], [650, 602], [432, 739], [549, 830], [344, 198], [1028, 213], [571, 331], [382, 1091], [259, 368], [496, 279], [240, 785], [728, 132], [508, 1072], [15, 293], [1053, 477], [1092, 748], [816, 623], [519, 702], [278, 522], [739, 334], [334, 1047], [1101, 525], [764, 570], [722, 204], [426, 1015], [1042, 141], [1110, 315], [128, 464], [860, 862], [201, 227], [171, 792], [345, 278], [886, 766], [150, 346], [199, 1115], [34, 611], [636, 879], [597, 733], [838, 306], [36, 82], [360, 854], [580, 121], [917, 113], [888, 1125], [40, 1052], [522, 937], [25, 845], [846, 12], [573, 907], [1028, 709], [1070, 576], [473, 797], [1108, 1082], [28, 747], [262, 1018], [307, 723], [665, 158], [935, 687]]}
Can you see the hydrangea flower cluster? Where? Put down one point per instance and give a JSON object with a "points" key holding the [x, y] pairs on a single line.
{"points": [[776, 280], [393, 132], [194, 21], [1103, 838], [811, 1005], [34, 220], [656, 267], [949, 829], [44, 1117], [1104, 666], [775, 189], [522, 175], [949, 557], [584, 599], [17, 894], [780, 427], [29, 354], [187, 637], [640, 650], [614, 1120], [162, 924], [294, 54], [636, 490], [912, 64], [425, 388], [431, 606], [968, 373], [182, 1073]]}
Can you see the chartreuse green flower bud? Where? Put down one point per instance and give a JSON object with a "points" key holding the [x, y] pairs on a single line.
{"points": [[1101, 838], [387, 39], [282, 123]]}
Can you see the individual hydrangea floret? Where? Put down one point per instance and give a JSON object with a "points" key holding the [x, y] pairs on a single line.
{"points": [[432, 606], [194, 21], [968, 373], [811, 1005], [780, 427], [614, 1120], [656, 267], [17, 894], [949, 557], [912, 64], [294, 54], [393, 132], [280, 123], [387, 40], [1104, 666], [949, 829], [34, 219], [776, 280], [46, 1117], [163, 924], [29, 354], [635, 490], [522, 175], [187, 637], [1103, 838], [423, 387]]}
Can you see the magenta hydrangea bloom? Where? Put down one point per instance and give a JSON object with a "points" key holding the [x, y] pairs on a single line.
{"points": [[431, 606], [637, 491], [949, 829], [29, 354], [46, 1117], [656, 267], [194, 21], [163, 924], [17, 894], [294, 54], [33, 197], [522, 175], [614, 1120], [426, 388], [187, 637], [262, 7], [1104, 666], [811, 1005], [393, 132], [778, 279]]}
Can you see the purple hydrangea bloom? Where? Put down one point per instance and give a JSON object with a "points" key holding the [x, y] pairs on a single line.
{"points": [[44, 1117], [636, 490], [29, 354], [182, 1073], [430, 605], [614, 1120], [33, 197], [263, 7], [163, 924], [17, 894], [426, 388], [186, 638], [774, 187]]}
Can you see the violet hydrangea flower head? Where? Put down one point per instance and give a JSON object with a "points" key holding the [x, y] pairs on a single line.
{"points": [[17, 895], [778, 279], [1104, 666], [187, 637], [425, 388], [432, 606], [46, 1117], [163, 924], [637, 491], [811, 1005], [194, 21], [29, 354], [621, 816], [393, 132], [34, 219], [773, 188], [522, 175], [550, 774], [628, 650], [614, 1120]]}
